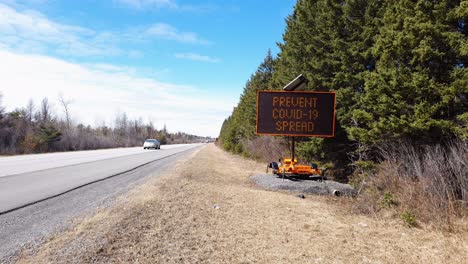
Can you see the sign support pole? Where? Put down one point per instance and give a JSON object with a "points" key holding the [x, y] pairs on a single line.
{"points": [[293, 148]]}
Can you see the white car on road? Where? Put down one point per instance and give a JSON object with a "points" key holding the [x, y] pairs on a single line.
{"points": [[151, 143]]}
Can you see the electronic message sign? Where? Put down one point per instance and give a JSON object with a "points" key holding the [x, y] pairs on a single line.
{"points": [[296, 113]]}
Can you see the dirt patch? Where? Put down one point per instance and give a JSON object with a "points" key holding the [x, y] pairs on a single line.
{"points": [[207, 210]]}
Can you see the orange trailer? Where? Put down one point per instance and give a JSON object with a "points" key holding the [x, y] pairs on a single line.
{"points": [[292, 168]]}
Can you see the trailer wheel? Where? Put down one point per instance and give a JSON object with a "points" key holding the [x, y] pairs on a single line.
{"points": [[274, 166]]}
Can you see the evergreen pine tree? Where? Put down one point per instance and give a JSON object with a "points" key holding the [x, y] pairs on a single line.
{"points": [[416, 90]]}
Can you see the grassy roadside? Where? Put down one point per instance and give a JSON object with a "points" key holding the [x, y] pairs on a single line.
{"points": [[206, 210]]}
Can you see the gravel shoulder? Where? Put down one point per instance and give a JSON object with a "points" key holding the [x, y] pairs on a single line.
{"points": [[207, 209], [325, 187]]}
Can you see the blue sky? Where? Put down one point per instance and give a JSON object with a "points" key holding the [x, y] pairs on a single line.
{"points": [[174, 62]]}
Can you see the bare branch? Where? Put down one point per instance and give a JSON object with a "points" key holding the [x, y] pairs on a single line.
{"points": [[66, 109]]}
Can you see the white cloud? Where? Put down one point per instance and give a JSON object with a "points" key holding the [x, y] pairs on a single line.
{"points": [[32, 31], [135, 54], [100, 91], [140, 4], [168, 4], [196, 57], [165, 31]]}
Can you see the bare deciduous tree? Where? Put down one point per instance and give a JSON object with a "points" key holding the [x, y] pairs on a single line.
{"points": [[66, 109], [30, 112], [45, 114]]}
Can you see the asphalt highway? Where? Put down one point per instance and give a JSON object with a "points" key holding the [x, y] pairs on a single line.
{"points": [[35, 204], [32, 178]]}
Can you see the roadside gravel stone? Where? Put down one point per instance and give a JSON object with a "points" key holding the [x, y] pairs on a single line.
{"points": [[326, 187]]}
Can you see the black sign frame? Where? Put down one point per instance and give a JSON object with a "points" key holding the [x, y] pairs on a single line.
{"points": [[324, 103]]}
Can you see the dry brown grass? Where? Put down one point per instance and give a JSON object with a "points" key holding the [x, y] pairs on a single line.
{"points": [[428, 182], [172, 219]]}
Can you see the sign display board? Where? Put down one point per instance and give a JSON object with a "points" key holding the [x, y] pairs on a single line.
{"points": [[296, 113]]}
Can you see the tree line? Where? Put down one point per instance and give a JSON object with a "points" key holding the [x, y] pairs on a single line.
{"points": [[398, 69], [38, 129]]}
